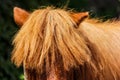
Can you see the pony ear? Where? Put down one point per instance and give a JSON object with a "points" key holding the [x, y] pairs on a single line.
{"points": [[79, 17], [20, 16]]}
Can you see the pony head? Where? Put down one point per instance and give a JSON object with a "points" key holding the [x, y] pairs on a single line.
{"points": [[49, 36], [56, 44]]}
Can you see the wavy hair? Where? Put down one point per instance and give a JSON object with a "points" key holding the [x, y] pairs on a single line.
{"points": [[46, 33]]}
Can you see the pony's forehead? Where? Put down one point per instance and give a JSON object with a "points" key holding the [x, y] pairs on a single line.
{"points": [[53, 9]]}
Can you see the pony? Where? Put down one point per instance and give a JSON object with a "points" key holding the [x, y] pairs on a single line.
{"points": [[59, 44]]}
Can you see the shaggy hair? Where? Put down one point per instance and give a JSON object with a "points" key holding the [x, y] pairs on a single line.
{"points": [[51, 46]]}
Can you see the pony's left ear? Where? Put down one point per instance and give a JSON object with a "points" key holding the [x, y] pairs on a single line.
{"points": [[79, 17], [20, 15]]}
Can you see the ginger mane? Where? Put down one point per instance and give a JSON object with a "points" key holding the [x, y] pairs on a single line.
{"points": [[103, 39], [47, 35]]}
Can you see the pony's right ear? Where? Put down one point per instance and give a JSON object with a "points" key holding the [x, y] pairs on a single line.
{"points": [[20, 16]]}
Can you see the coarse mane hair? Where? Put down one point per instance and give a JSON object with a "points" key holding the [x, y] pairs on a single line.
{"points": [[50, 39], [48, 32]]}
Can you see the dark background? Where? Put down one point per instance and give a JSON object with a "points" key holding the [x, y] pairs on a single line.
{"points": [[105, 9]]}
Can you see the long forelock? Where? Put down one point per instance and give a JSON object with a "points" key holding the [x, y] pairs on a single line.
{"points": [[49, 32]]}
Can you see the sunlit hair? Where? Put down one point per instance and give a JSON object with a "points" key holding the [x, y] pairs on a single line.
{"points": [[51, 39], [103, 39], [46, 34]]}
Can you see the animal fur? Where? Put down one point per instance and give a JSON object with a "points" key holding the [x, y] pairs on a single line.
{"points": [[52, 46]]}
